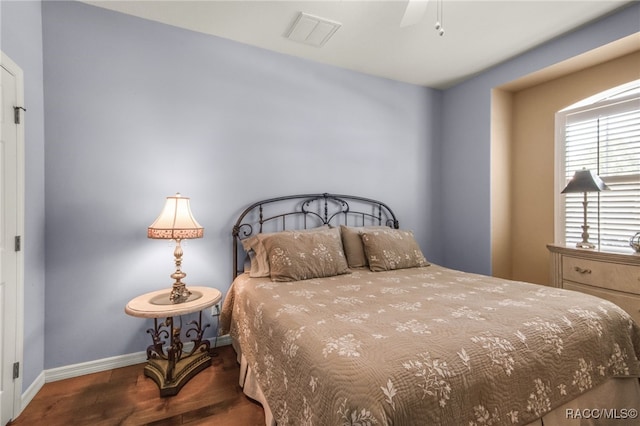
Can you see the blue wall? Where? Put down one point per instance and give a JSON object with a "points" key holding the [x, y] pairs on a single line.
{"points": [[137, 110], [21, 40]]}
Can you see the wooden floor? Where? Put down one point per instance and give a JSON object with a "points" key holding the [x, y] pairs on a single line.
{"points": [[124, 396]]}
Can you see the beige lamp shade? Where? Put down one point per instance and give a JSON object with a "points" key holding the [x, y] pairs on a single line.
{"points": [[176, 222]]}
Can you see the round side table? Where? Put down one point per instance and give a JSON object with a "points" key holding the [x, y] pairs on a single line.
{"points": [[167, 363]]}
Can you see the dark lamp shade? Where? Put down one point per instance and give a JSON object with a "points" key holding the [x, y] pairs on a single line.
{"points": [[585, 181]]}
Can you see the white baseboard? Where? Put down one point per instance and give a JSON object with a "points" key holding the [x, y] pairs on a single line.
{"points": [[31, 391], [75, 370]]}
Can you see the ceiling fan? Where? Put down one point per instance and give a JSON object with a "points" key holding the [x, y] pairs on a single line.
{"points": [[415, 11]]}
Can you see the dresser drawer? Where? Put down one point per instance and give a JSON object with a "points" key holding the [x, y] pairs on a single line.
{"points": [[606, 275], [628, 302]]}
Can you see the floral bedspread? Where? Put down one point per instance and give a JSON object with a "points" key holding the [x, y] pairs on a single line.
{"points": [[424, 346]]}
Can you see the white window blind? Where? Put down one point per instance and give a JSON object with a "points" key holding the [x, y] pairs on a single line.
{"points": [[603, 137]]}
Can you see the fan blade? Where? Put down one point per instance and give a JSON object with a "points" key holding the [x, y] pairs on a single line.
{"points": [[414, 12]]}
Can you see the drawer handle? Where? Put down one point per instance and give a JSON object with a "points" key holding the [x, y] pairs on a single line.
{"points": [[581, 270]]}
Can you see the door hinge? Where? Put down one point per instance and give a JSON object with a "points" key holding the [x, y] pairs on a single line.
{"points": [[16, 370], [18, 243], [16, 114]]}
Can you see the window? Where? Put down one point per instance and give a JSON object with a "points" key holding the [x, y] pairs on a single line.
{"points": [[602, 134]]}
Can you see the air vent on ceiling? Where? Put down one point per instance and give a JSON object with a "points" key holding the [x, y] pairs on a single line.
{"points": [[312, 30]]}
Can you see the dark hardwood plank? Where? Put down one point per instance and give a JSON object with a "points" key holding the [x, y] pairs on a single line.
{"points": [[124, 396]]}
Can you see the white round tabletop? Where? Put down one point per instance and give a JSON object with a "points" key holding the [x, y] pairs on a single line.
{"points": [[157, 304]]}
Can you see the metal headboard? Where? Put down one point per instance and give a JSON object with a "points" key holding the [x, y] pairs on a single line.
{"points": [[307, 211]]}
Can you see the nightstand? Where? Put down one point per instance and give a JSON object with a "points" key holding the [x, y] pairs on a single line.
{"points": [[169, 363], [611, 276]]}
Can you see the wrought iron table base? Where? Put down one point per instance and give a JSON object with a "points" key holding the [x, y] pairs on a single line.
{"points": [[170, 366]]}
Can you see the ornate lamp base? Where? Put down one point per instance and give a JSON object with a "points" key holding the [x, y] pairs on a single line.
{"points": [[585, 244], [179, 293]]}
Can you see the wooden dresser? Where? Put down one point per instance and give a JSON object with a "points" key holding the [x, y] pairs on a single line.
{"points": [[612, 276]]}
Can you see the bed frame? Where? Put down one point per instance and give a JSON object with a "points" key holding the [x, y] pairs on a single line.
{"points": [[307, 211], [313, 210]]}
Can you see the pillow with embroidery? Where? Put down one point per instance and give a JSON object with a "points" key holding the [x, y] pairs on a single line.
{"points": [[352, 243], [388, 249], [301, 256], [259, 264]]}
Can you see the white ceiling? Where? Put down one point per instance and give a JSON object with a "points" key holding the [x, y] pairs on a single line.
{"points": [[479, 33]]}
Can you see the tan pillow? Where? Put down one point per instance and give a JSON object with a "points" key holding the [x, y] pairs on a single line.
{"points": [[254, 246], [300, 256], [352, 243], [258, 256], [388, 249]]}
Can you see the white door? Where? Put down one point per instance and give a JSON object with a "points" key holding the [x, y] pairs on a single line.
{"points": [[11, 225]]}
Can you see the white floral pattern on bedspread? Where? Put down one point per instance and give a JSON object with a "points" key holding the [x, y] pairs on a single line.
{"points": [[424, 346]]}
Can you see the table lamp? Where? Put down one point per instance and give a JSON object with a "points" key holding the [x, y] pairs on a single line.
{"points": [[585, 181], [176, 222]]}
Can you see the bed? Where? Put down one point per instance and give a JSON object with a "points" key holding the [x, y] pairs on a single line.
{"points": [[337, 318]]}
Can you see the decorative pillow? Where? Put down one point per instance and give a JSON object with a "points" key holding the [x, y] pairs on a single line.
{"points": [[299, 256], [352, 243], [254, 246], [388, 249]]}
